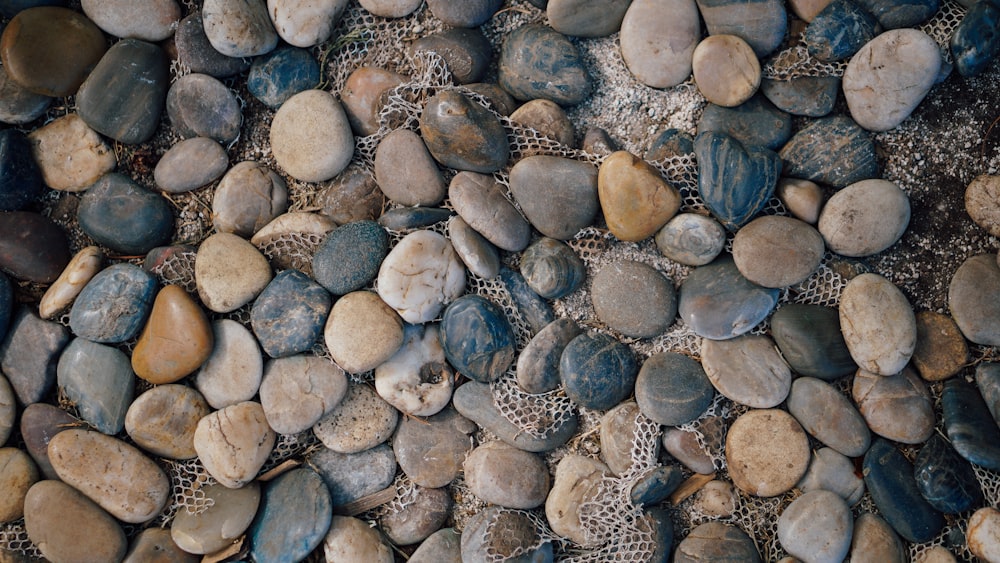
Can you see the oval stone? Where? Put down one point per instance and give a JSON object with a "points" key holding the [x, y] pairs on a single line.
{"points": [[467, 52], [363, 97], [832, 150], [597, 371], [349, 256], [636, 200], [474, 401], [239, 28], [506, 476], [767, 452], [310, 136], [981, 536], [538, 363], [416, 379], [839, 31], [945, 479], [802, 198], [747, 369], [32, 247], [50, 504], [195, 50], [229, 272], [974, 299], [159, 356], [81, 269], [362, 332], [220, 523], [969, 424], [288, 315], [70, 155], [874, 541], [634, 298], [691, 239], [114, 305], [405, 170], [480, 201], [719, 303], [726, 70], [477, 338], [431, 451], [810, 340], [281, 74], [974, 43], [350, 477], [150, 21], [190, 164], [878, 323], [828, 416], [119, 214], [552, 269], [941, 350], [817, 526], [233, 443], [865, 218], [201, 106], [889, 478], [17, 474], [359, 422], [548, 119], [351, 539], [98, 381], [576, 478], [658, 38], [162, 420], [761, 24], [233, 370], [537, 61], [461, 134], [898, 407], [557, 195], [716, 541], [294, 516], [478, 254], [115, 475], [776, 251], [297, 391], [420, 276]]}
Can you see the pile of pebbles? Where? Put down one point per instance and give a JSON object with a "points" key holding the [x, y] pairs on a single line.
{"points": [[127, 351]]}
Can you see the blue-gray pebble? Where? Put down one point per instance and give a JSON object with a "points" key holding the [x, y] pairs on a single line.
{"points": [[408, 218], [809, 96], [761, 23], [754, 122], [810, 340], [945, 479], [29, 354], [20, 180], [839, 31], [6, 304], [352, 476], [672, 389], [289, 314], [538, 363], [656, 485], [889, 478], [534, 310], [125, 217], [99, 380], [598, 371], [719, 303], [474, 401], [477, 338], [552, 269], [735, 180], [281, 74], [969, 424], [294, 515], [832, 150], [895, 14], [464, 13], [114, 304], [349, 257], [537, 61], [976, 43]]}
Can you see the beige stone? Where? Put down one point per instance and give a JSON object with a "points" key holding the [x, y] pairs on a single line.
{"points": [[726, 70], [362, 331], [941, 349], [311, 138], [636, 200], [767, 452], [364, 95], [233, 443], [70, 155], [50, 505], [84, 266]]}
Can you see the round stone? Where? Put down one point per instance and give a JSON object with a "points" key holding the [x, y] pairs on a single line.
{"points": [[546, 117], [716, 541], [359, 422], [443, 546], [636, 200], [477, 338], [162, 420], [351, 539], [817, 526], [767, 452], [237, 28], [557, 195], [159, 356], [190, 164], [50, 504], [981, 199], [233, 443], [406, 171], [747, 369], [974, 299], [830, 470], [294, 516], [864, 218], [114, 305], [363, 97], [597, 371], [32, 247], [506, 476], [281, 74], [250, 196], [362, 332], [201, 106], [119, 214], [537, 61], [941, 350], [431, 451], [982, 534], [480, 201], [233, 370], [776, 251], [70, 155], [297, 391], [672, 389], [416, 379], [552, 269], [427, 511], [220, 523], [349, 257], [897, 407], [17, 474], [98, 381], [691, 239], [878, 323], [471, 13], [288, 316], [828, 416], [420, 276], [726, 70], [461, 134], [310, 136], [195, 50], [634, 299], [229, 272]]}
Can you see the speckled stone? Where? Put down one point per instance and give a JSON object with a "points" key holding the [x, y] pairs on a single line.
{"points": [[981, 536], [747, 369], [229, 272], [832, 150], [864, 218], [634, 298], [49, 504], [233, 370], [767, 452], [70, 155], [461, 134], [974, 299], [636, 200], [201, 106], [98, 380], [716, 541], [726, 70], [349, 256], [220, 523], [816, 526], [114, 305], [288, 315], [889, 478], [658, 39], [467, 52], [597, 371], [20, 179], [719, 303], [501, 474], [298, 390], [420, 276], [474, 401], [162, 420], [233, 443], [828, 416], [831, 470], [897, 407], [981, 202], [159, 356], [839, 31], [734, 179], [537, 61], [941, 350], [310, 136], [29, 354], [945, 479], [557, 195], [352, 476], [294, 515], [810, 340], [362, 332], [691, 239], [477, 338], [878, 324], [195, 50], [190, 164], [121, 215], [360, 421], [32, 247], [479, 199], [716, 498], [239, 28]]}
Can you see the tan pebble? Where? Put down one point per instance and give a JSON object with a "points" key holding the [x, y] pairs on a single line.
{"points": [[983, 534], [159, 355], [897, 407], [64, 290], [362, 331], [767, 452], [982, 202], [548, 118], [941, 349], [575, 481], [233, 443], [70, 155], [804, 199], [51, 504], [364, 95], [636, 200], [726, 70]]}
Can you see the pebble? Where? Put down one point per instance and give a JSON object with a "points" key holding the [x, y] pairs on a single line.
{"points": [[159, 357], [239, 28], [364, 94], [894, 15], [419, 519], [50, 504], [50, 50], [149, 21], [936, 554], [477, 338], [201, 106], [349, 257], [839, 31], [420, 276], [20, 179], [294, 516], [190, 164], [691, 239], [802, 198], [497, 98], [878, 324], [618, 429], [684, 447], [776, 251], [233, 443], [70, 155], [468, 13], [406, 172], [808, 96], [303, 23], [360, 421], [597, 371], [654, 486], [974, 45], [29, 354], [501, 474], [538, 363], [288, 315], [391, 8], [474, 401], [18, 105], [195, 51], [310, 136], [767, 452], [229, 272], [298, 390], [233, 370], [478, 254], [586, 18], [658, 40], [119, 214], [897, 407], [633, 298], [890, 480], [547, 118], [39, 423], [969, 424], [598, 141], [281, 74], [726, 70], [353, 476], [443, 546], [6, 304], [747, 369], [816, 527], [762, 25], [351, 539], [754, 122], [461, 134], [830, 150], [982, 534], [828, 416], [974, 299], [114, 305], [466, 52], [736, 181], [537, 61], [404, 219], [17, 474], [810, 340], [162, 420], [716, 541], [576, 479], [988, 381], [941, 350], [635, 199], [874, 541], [980, 202], [717, 498], [830, 470], [532, 308], [154, 544], [416, 380], [557, 195], [886, 80], [479, 199], [115, 475], [220, 523], [289, 225], [98, 381], [945, 479], [719, 303], [431, 451], [362, 332], [8, 410], [123, 96]]}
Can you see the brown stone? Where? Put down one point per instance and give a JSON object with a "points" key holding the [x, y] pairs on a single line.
{"points": [[159, 355], [941, 349], [548, 118], [32, 247], [364, 95], [65, 524], [154, 545], [636, 200], [767, 452]]}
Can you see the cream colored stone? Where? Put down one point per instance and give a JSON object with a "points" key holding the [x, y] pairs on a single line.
{"points": [[233, 443], [421, 275], [878, 323], [575, 483], [311, 138], [767, 452], [84, 266], [726, 70], [70, 155]]}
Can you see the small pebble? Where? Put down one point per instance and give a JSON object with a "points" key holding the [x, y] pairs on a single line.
{"points": [[969, 424], [816, 527], [404, 219], [538, 363], [155, 544], [636, 200], [248, 197], [162, 420], [467, 52], [474, 401], [467, 13], [238, 28], [839, 31], [406, 171], [479, 199], [945, 479], [190, 164], [973, 44], [149, 21], [717, 498], [828, 416], [691, 239], [808, 96], [427, 512], [726, 70], [288, 315], [416, 379], [233, 443], [802, 198], [360, 421], [719, 303], [552, 269], [229, 272], [672, 389], [546, 117], [981, 202], [70, 155], [477, 338], [897, 407], [281, 74], [537, 61], [810, 340], [747, 369], [98, 381], [586, 18], [478, 254], [233, 370], [201, 106], [941, 350], [754, 122], [349, 257], [767, 452], [716, 541], [121, 215], [658, 40], [618, 429], [80, 270], [684, 447], [878, 324], [874, 541], [890, 480], [363, 97], [506, 476], [220, 523], [39, 423], [17, 474], [670, 143], [431, 451], [443, 546], [114, 305], [557, 195], [983, 532], [159, 356], [298, 390], [420, 276], [391, 8], [293, 518], [735, 180]]}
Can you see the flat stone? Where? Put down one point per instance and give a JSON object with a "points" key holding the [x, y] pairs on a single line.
{"points": [[293, 518], [220, 523], [431, 451], [691, 239], [969, 424], [360, 421], [761, 24], [115, 475], [830, 470], [816, 526], [363, 97], [537, 61], [461, 134], [618, 428], [119, 214], [878, 324], [114, 305], [735, 180], [29, 354], [404, 219], [828, 416], [479, 255], [810, 340], [196, 52], [474, 401], [586, 18], [974, 45], [98, 381], [50, 504], [288, 315], [190, 164], [726, 69], [298, 390], [974, 299], [941, 350], [70, 155], [557, 195], [945, 479], [830, 150], [233, 370], [634, 298], [537, 367], [754, 122], [20, 179], [716, 541], [576, 481], [39, 423], [238, 28], [17, 474], [865, 218], [391, 8], [149, 21], [597, 371], [839, 31], [981, 536], [658, 40], [466, 52], [477, 339], [501, 474], [162, 420], [200, 105], [233, 443], [80, 270], [874, 541], [443, 546], [636, 200], [351, 539], [159, 356], [719, 303], [480, 201], [352, 476], [548, 118], [767, 452], [427, 512], [889, 478], [155, 544], [897, 407], [654, 486], [747, 369], [18, 105], [472, 13], [229, 272], [405, 170], [310, 136], [808, 96], [416, 380], [776, 251]]}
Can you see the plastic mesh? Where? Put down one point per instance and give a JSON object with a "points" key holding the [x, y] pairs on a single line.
{"points": [[406, 495], [942, 26], [292, 251], [188, 478], [14, 539], [178, 269]]}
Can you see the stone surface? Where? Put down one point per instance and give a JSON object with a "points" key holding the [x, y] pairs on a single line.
{"points": [[810, 340], [162, 420], [39, 423], [974, 299], [149, 21], [816, 526], [557, 195], [294, 515], [683, 446], [443, 546], [672, 389], [190, 164], [988, 381], [233, 443], [532, 308], [747, 369], [907, 13], [548, 118], [719, 303], [352, 476], [472, 13], [478, 254], [20, 178], [431, 451], [98, 381], [196, 51], [349, 256], [416, 379], [538, 62], [754, 122], [735, 180], [233, 370], [636, 200], [828, 416], [201, 106], [351, 539], [360, 421], [634, 299], [941, 350], [288, 315], [29, 355], [310, 136], [225, 520], [878, 324], [716, 541], [480, 201], [467, 52], [362, 96], [362, 332], [249, 196], [969, 425], [874, 541], [767, 452], [618, 429], [159, 357], [889, 478], [830, 470], [808, 96], [49, 504], [305, 24], [238, 28], [477, 339], [658, 40], [474, 401], [538, 363], [501, 474], [18, 105], [981, 536], [945, 479], [832, 150], [17, 474], [726, 70], [405, 170], [776, 251], [425, 514], [156, 546], [802, 198], [981, 202], [119, 214], [70, 155], [691, 239], [576, 480], [461, 134], [898, 407], [975, 44], [298, 390], [586, 18], [839, 31], [761, 24], [114, 305], [420, 276], [865, 218], [597, 371], [229, 272]]}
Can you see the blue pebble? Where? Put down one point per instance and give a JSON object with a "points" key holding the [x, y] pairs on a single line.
{"points": [[477, 338], [719, 303], [29, 354], [535, 311], [889, 478], [294, 515], [20, 180], [537, 61], [895, 14], [119, 214], [832, 150], [947, 481], [99, 380], [598, 371], [6, 304], [754, 122], [114, 305], [735, 180], [349, 257], [663, 536], [672, 389], [289, 314], [281, 74], [349, 477], [839, 31], [656, 485], [969, 425], [976, 41], [809, 96]]}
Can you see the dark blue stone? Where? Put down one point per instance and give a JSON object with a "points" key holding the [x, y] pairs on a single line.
{"points": [[477, 339], [349, 477], [754, 122], [809, 96], [119, 214], [294, 515], [534, 310], [719, 303], [29, 355], [810, 340], [735, 180], [537, 61], [98, 379], [889, 479], [281, 74], [289, 315], [406, 218], [988, 381], [839, 31], [672, 389], [350, 256], [945, 479], [976, 40], [6, 304], [833, 150], [656, 485], [597, 371], [114, 304], [894, 14], [32, 247], [670, 142], [969, 424], [20, 180]]}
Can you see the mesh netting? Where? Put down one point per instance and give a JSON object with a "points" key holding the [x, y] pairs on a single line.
{"points": [[14, 539], [188, 478]]}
